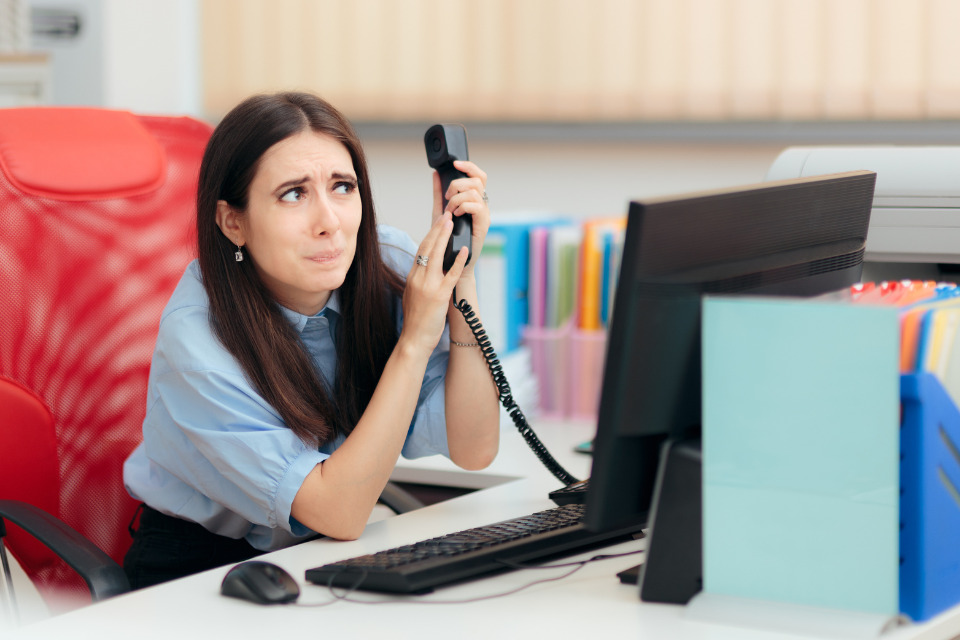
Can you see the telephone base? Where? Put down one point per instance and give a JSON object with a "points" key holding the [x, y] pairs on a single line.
{"points": [[575, 493]]}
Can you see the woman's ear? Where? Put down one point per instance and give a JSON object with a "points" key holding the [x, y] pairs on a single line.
{"points": [[229, 222]]}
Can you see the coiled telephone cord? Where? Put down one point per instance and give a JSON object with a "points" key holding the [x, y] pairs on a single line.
{"points": [[505, 395]]}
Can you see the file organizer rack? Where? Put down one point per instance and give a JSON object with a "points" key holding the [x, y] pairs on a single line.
{"points": [[929, 501]]}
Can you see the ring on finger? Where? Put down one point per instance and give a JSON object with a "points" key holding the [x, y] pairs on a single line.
{"points": [[485, 199], [422, 260]]}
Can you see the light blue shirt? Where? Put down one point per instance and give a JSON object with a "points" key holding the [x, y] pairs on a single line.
{"points": [[215, 452]]}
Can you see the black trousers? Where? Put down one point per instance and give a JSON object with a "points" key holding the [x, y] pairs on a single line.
{"points": [[165, 548]]}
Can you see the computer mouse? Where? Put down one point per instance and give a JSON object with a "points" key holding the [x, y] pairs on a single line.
{"points": [[260, 582]]}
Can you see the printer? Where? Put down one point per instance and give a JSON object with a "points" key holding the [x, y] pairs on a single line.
{"points": [[916, 204]]}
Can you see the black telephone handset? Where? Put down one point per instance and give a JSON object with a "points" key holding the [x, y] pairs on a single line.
{"points": [[446, 143]]}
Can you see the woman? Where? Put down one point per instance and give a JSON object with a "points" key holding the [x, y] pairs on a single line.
{"points": [[294, 363]]}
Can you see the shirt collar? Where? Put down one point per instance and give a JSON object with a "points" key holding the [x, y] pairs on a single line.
{"points": [[299, 321]]}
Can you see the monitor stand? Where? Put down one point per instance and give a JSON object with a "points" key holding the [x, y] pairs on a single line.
{"points": [[673, 569]]}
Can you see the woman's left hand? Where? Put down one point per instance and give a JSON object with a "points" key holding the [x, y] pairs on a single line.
{"points": [[466, 196]]}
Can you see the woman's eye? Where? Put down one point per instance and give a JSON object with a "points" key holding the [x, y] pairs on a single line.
{"points": [[344, 188], [293, 195]]}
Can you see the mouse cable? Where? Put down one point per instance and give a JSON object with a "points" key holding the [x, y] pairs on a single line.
{"points": [[505, 395], [572, 567], [337, 597]]}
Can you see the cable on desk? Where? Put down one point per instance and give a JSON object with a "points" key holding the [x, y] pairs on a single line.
{"points": [[602, 556], [336, 597], [576, 566]]}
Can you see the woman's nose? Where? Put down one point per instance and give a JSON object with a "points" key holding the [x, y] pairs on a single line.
{"points": [[324, 218]]}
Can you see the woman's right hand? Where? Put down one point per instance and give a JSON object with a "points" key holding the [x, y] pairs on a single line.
{"points": [[427, 295]]}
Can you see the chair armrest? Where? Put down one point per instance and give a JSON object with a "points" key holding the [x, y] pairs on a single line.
{"points": [[399, 499], [104, 577]]}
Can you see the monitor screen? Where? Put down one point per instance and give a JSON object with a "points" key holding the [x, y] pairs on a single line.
{"points": [[797, 237]]}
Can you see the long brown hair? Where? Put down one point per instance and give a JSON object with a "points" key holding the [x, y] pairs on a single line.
{"points": [[246, 317]]}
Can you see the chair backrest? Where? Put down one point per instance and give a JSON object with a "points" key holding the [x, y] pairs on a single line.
{"points": [[97, 223]]}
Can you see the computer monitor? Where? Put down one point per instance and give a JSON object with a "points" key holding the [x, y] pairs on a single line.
{"points": [[797, 237]]}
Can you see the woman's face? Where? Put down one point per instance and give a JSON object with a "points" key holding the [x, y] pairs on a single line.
{"points": [[303, 214]]}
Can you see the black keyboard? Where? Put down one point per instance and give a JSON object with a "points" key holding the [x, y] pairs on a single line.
{"points": [[469, 554]]}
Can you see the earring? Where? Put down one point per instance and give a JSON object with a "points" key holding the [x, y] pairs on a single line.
{"points": [[238, 256]]}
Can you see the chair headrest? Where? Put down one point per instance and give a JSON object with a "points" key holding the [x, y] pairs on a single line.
{"points": [[68, 153]]}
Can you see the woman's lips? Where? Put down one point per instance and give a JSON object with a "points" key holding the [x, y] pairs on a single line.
{"points": [[325, 257]]}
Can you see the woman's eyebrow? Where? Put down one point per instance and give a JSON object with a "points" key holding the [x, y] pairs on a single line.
{"points": [[292, 183], [338, 175]]}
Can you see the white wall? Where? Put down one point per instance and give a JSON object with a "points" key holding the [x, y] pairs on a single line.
{"points": [[141, 55], [76, 63], [152, 56]]}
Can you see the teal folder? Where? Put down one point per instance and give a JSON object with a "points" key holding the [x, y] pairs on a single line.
{"points": [[801, 452]]}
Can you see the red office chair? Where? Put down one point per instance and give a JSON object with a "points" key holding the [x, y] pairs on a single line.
{"points": [[96, 228]]}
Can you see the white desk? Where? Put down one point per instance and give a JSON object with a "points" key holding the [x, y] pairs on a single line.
{"points": [[589, 604], [514, 461]]}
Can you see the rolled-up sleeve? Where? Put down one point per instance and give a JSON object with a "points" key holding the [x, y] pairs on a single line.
{"points": [[235, 451], [214, 451]]}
